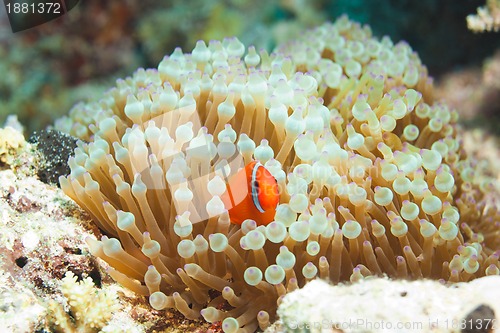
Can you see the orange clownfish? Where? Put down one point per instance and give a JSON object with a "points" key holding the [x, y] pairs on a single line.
{"points": [[252, 193]]}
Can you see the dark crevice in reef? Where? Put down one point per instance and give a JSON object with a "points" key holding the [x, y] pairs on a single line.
{"points": [[95, 275], [21, 261]]}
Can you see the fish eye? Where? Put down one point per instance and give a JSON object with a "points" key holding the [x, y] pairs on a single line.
{"points": [[256, 184]]}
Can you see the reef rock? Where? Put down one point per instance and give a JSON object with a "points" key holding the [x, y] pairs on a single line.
{"points": [[383, 305]]}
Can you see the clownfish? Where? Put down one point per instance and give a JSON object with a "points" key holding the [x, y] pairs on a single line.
{"points": [[252, 193]]}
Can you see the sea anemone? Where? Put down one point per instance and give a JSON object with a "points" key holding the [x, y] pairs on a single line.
{"points": [[371, 173]]}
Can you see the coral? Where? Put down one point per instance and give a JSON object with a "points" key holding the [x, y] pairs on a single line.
{"points": [[487, 17], [488, 154], [491, 71], [42, 236], [11, 144], [107, 29], [474, 93], [442, 39], [90, 309], [32, 89], [372, 174], [48, 68], [20, 308], [53, 147], [409, 306], [13, 122]]}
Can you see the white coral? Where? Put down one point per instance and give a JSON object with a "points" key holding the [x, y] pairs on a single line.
{"points": [[91, 309]]}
